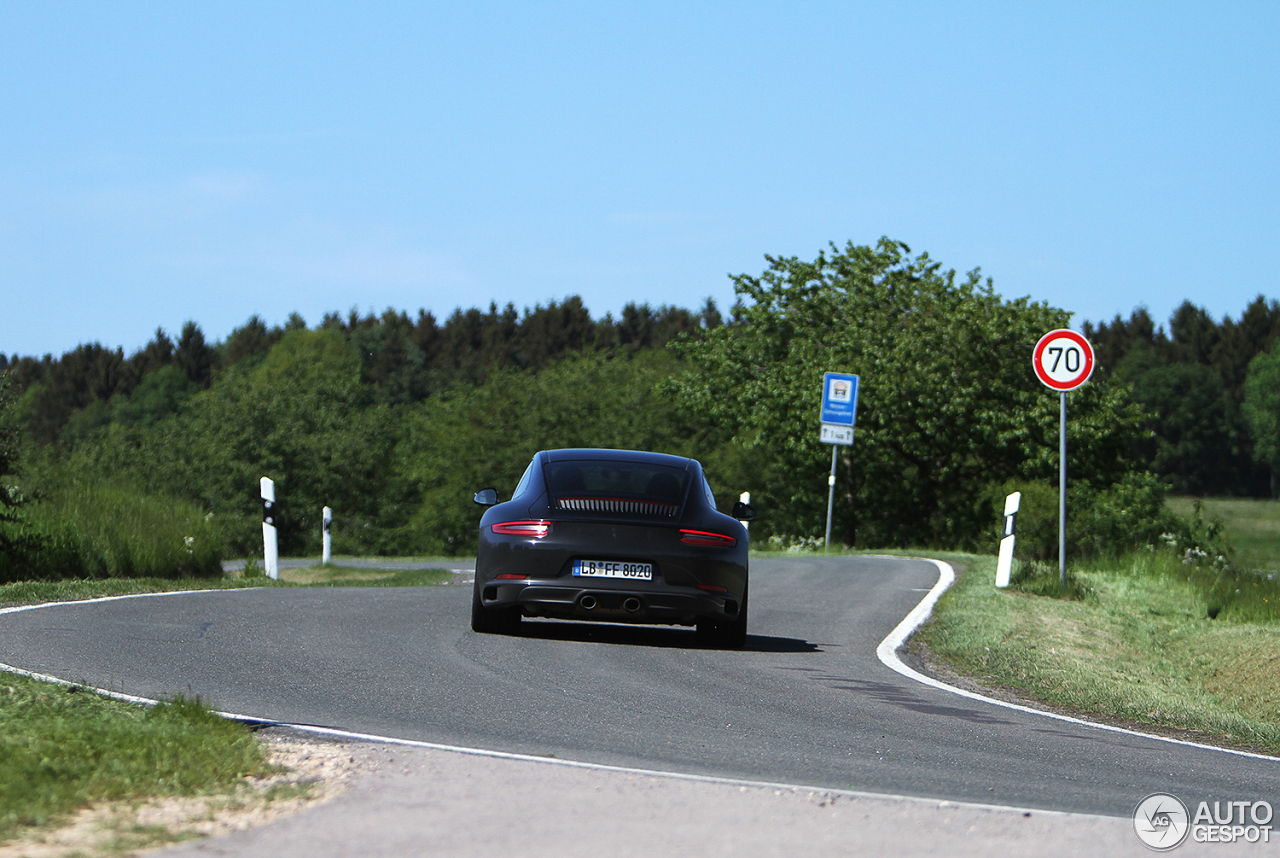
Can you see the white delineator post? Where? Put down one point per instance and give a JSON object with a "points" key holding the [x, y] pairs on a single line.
{"points": [[1005, 564], [326, 553], [745, 497], [270, 552]]}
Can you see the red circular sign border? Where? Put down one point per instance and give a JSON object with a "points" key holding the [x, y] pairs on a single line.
{"points": [[1038, 366]]}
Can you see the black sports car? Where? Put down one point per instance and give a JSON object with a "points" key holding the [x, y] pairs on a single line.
{"points": [[616, 536]]}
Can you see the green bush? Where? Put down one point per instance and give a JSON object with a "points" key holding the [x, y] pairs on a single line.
{"points": [[1128, 515], [1106, 522], [82, 530], [1037, 537]]}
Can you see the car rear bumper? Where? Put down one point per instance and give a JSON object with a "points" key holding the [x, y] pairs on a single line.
{"points": [[672, 606]]}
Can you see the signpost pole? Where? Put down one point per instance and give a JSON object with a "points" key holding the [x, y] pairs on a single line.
{"points": [[837, 418], [1062, 496], [831, 494], [1062, 360]]}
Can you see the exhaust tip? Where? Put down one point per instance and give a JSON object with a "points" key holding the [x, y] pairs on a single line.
{"points": [[587, 603], [632, 605]]}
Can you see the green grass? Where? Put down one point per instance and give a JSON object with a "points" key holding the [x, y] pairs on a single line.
{"points": [[33, 592], [86, 530], [63, 748], [1252, 526], [1137, 647], [354, 576]]}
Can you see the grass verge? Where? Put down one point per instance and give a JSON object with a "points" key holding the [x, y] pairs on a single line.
{"points": [[354, 576], [63, 748], [1136, 647]]}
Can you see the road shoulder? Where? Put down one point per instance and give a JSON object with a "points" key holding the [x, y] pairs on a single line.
{"points": [[429, 801]]}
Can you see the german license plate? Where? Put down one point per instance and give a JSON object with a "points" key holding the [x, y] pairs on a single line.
{"points": [[613, 569]]}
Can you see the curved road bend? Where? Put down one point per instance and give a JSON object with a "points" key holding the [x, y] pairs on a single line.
{"points": [[807, 702]]}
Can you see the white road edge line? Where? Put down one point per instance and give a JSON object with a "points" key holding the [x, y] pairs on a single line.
{"points": [[548, 761], [888, 654]]}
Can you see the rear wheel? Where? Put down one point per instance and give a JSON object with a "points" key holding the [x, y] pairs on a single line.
{"points": [[493, 621]]}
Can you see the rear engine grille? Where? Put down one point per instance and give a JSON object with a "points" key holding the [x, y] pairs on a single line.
{"points": [[620, 506]]}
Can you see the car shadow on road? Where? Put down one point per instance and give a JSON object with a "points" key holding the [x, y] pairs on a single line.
{"points": [[675, 638]]}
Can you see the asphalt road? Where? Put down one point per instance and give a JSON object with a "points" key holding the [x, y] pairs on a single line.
{"points": [[807, 702]]}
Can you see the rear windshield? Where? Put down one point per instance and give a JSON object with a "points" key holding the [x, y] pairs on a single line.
{"points": [[587, 479]]}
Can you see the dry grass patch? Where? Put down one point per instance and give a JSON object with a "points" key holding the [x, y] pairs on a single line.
{"points": [[308, 772]]}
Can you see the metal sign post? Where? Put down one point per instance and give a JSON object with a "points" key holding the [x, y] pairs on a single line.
{"points": [[831, 495], [838, 416], [1063, 361], [1062, 494]]}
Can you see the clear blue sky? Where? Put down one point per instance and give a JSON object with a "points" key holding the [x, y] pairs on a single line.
{"points": [[168, 161]]}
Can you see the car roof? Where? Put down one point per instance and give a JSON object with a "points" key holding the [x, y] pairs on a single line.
{"points": [[638, 456]]}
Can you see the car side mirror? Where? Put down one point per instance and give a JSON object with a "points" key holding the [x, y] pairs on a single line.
{"points": [[486, 497], [743, 511]]}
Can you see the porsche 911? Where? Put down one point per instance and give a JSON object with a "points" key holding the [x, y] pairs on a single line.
{"points": [[612, 536]]}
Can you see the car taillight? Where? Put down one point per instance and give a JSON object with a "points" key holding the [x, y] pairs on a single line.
{"points": [[714, 588], [531, 529], [702, 537], [509, 576]]}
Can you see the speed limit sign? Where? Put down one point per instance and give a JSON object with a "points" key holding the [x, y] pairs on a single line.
{"points": [[1063, 360]]}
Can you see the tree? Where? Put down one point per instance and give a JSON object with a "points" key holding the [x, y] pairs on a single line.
{"points": [[948, 403], [251, 340], [1187, 411], [160, 393], [1191, 383], [299, 416], [82, 376], [194, 356], [1113, 341], [9, 496], [154, 355], [1262, 409]]}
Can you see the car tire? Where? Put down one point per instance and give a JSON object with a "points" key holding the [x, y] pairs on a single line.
{"points": [[489, 621]]}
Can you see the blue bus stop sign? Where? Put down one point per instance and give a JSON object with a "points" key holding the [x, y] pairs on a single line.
{"points": [[839, 399]]}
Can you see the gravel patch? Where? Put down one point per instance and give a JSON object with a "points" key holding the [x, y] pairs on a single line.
{"points": [[314, 772]]}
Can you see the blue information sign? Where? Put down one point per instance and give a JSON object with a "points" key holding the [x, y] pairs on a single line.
{"points": [[839, 399]]}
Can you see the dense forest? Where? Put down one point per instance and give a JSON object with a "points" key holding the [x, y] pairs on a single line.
{"points": [[1191, 378], [393, 421]]}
